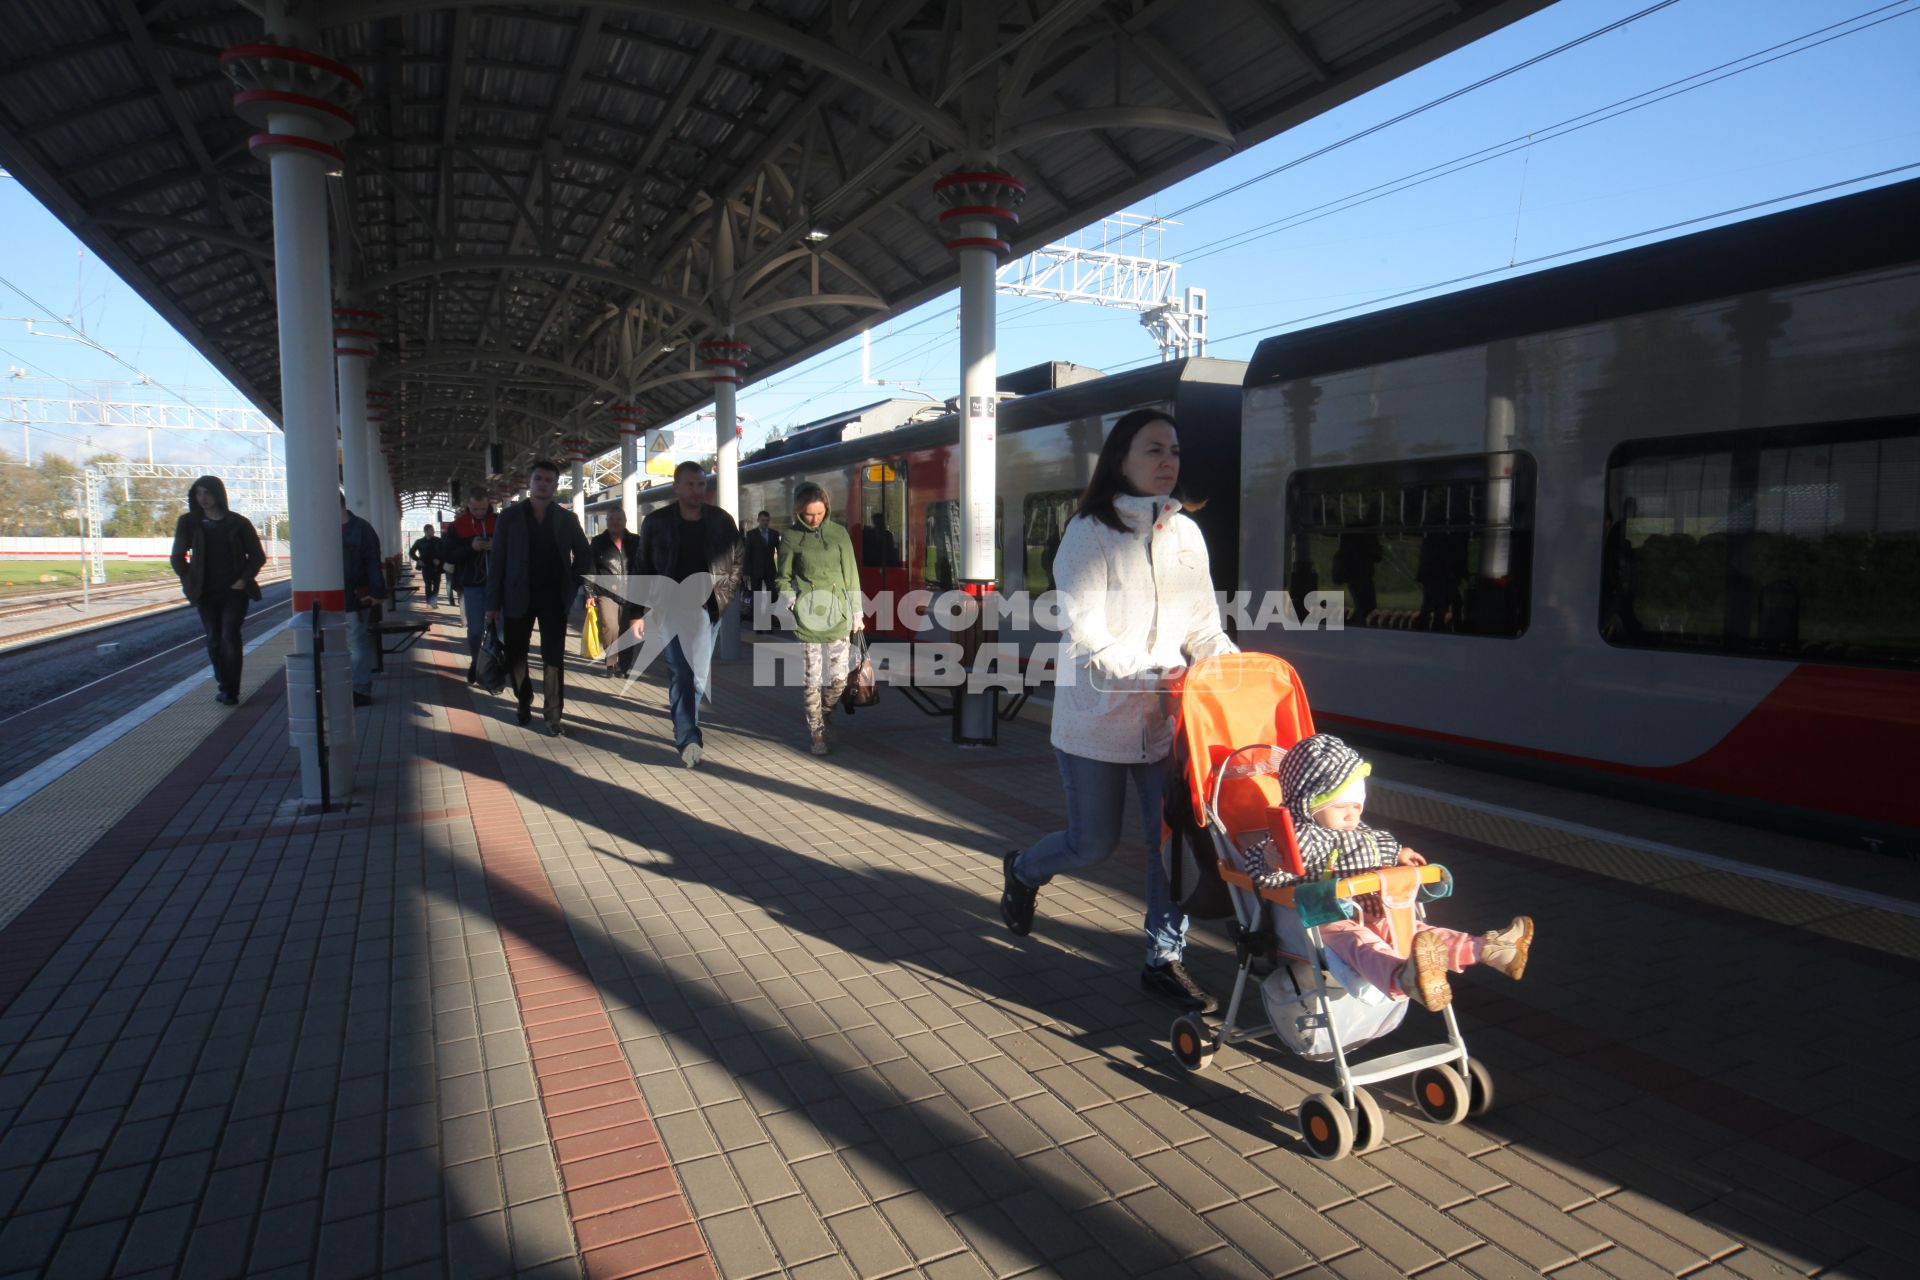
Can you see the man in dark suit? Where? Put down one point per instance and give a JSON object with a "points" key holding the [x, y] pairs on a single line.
{"points": [[762, 558], [533, 573], [615, 555]]}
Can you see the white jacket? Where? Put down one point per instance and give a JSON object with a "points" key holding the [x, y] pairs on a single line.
{"points": [[1135, 604]]}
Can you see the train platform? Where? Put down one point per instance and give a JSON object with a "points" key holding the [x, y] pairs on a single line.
{"points": [[562, 1007]]}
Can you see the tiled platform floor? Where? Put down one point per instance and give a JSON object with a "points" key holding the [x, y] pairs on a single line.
{"points": [[548, 1007]]}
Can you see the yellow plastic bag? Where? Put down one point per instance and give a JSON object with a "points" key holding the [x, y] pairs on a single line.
{"points": [[590, 630]]}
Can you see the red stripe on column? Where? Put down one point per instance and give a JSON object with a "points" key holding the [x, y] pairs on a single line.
{"points": [[329, 601], [630, 1214]]}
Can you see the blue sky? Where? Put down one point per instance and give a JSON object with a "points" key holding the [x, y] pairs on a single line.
{"points": [[1829, 114]]}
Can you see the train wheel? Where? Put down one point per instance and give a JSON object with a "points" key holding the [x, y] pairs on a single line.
{"points": [[1325, 1126], [1369, 1123], [1441, 1094], [1193, 1048], [1479, 1088]]}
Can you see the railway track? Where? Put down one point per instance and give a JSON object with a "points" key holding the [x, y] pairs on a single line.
{"points": [[17, 608], [13, 606]]}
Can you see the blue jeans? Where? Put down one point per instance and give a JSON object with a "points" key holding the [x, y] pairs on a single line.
{"points": [[683, 697], [1096, 806], [360, 644], [473, 603]]}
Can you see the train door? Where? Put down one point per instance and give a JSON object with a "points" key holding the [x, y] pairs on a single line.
{"points": [[883, 527]]}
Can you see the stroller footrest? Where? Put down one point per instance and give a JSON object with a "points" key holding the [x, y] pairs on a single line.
{"points": [[1404, 1063]]}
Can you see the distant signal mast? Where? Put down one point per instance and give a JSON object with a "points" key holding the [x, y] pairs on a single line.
{"points": [[1120, 264]]}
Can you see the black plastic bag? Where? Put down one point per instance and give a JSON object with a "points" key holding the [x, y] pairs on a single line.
{"points": [[490, 664]]}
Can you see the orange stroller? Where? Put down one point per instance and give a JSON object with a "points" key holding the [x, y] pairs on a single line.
{"points": [[1239, 714]]}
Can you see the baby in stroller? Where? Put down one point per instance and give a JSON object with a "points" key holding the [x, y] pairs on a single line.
{"points": [[1323, 785]]}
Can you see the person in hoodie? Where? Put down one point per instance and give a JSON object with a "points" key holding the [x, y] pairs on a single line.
{"points": [[820, 581], [217, 556], [465, 548], [1136, 591], [1324, 782]]}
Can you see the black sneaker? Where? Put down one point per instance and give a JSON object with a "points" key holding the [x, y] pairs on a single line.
{"points": [[362, 699], [1172, 981], [524, 715], [1016, 900]]}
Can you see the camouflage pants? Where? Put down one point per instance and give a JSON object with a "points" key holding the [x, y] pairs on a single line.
{"points": [[827, 664]]}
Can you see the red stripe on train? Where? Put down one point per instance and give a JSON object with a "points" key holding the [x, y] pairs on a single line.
{"points": [[1833, 739]]}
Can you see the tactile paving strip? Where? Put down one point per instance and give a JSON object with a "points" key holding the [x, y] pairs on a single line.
{"points": [[1783, 904], [45, 833]]}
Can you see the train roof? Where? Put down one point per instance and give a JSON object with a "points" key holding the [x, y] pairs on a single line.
{"points": [[1117, 392], [1855, 233]]}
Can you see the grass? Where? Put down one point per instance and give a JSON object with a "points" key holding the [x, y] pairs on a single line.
{"points": [[24, 576]]}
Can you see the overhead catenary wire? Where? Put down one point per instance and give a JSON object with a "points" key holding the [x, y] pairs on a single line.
{"points": [[1802, 43], [1539, 259], [125, 364], [1427, 106], [1554, 132], [1853, 25]]}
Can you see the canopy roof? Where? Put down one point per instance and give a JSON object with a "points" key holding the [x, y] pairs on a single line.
{"points": [[540, 199]]}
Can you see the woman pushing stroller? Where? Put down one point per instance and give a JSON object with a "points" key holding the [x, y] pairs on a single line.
{"points": [[1138, 601], [1323, 785]]}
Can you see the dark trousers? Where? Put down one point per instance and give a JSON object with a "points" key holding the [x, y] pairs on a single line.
{"points": [[518, 639], [221, 616], [432, 578]]}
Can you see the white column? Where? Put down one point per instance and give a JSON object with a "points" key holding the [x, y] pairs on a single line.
{"points": [[633, 458], [296, 98], [725, 359], [353, 350], [580, 482], [980, 203]]}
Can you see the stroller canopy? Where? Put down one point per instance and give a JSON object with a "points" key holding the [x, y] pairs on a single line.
{"points": [[1239, 700]]}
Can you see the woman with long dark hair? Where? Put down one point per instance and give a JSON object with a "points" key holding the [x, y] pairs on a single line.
{"points": [[1136, 593], [217, 556]]}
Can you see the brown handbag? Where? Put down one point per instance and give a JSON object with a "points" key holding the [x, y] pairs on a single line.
{"points": [[863, 688]]}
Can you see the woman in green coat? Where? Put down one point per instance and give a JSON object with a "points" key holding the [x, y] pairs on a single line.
{"points": [[820, 581]]}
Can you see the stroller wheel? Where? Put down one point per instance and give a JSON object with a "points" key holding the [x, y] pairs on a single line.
{"points": [[1193, 1047], [1325, 1126], [1479, 1088], [1369, 1124], [1441, 1094]]}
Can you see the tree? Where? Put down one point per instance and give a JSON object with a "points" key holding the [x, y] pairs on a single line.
{"points": [[42, 500], [144, 507]]}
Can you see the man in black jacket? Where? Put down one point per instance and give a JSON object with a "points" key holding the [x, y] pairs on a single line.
{"points": [[425, 554], [677, 542], [539, 557], [615, 553], [762, 556], [366, 582]]}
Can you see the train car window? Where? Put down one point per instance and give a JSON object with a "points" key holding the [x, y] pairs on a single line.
{"points": [[943, 544], [1044, 522], [885, 494], [1784, 542], [1426, 544]]}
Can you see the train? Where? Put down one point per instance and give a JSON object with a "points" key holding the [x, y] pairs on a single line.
{"points": [[1647, 523]]}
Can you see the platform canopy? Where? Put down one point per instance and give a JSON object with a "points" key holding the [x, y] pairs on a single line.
{"points": [[539, 199]]}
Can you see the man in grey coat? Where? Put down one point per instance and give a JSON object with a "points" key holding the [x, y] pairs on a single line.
{"points": [[539, 557]]}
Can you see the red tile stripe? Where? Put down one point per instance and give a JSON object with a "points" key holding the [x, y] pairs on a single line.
{"points": [[630, 1214], [31, 938]]}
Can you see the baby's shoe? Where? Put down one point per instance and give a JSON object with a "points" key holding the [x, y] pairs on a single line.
{"points": [[1424, 976], [1505, 950]]}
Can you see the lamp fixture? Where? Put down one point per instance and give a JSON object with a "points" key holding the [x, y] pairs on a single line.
{"points": [[816, 234]]}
